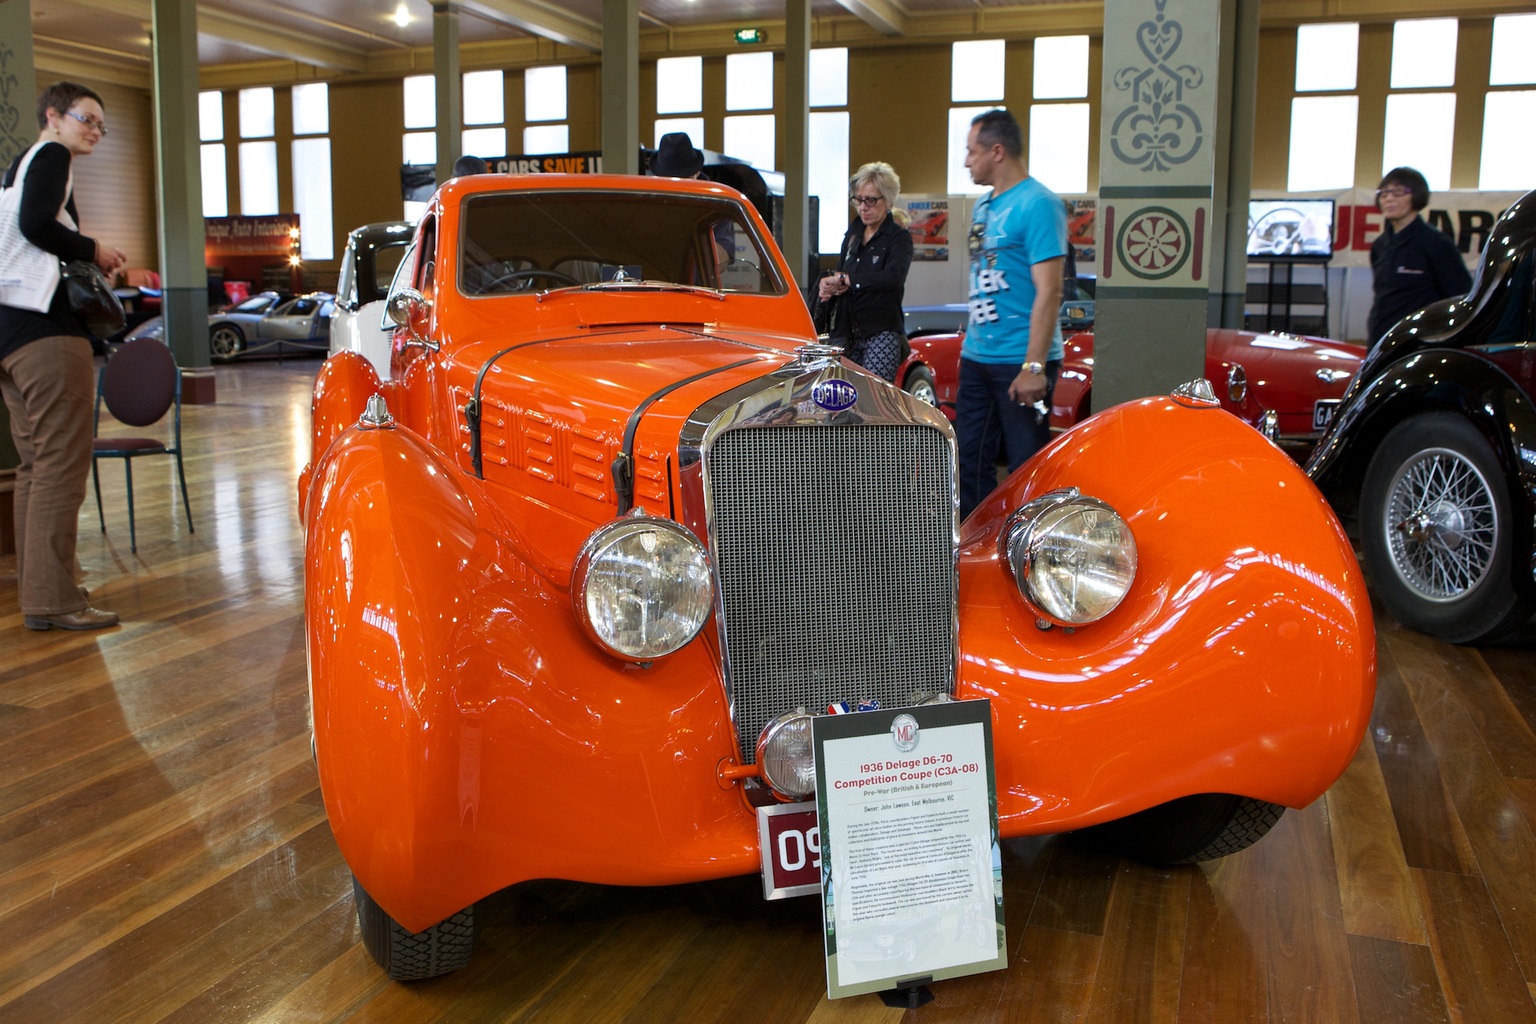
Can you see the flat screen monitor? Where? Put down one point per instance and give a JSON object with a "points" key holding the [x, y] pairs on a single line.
{"points": [[1290, 229]]}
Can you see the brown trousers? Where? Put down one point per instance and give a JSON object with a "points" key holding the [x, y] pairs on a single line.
{"points": [[49, 387]]}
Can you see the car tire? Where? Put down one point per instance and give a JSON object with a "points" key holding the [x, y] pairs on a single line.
{"points": [[1190, 829], [414, 956], [225, 342], [920, 385], [1436, 531]]}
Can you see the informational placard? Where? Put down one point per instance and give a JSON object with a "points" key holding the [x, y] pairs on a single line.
{"points": [[912, 886]]}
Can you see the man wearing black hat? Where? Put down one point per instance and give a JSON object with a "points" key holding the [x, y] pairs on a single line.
{"points": [[675, 157]]}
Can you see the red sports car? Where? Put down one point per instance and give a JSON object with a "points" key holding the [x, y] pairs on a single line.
{"points": [[1297, 378]]}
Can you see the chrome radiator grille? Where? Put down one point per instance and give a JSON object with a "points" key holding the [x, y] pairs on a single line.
{"points": [[834, 547]]}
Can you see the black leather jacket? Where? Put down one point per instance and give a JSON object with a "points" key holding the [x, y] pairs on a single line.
{"points": [[877, 278]]}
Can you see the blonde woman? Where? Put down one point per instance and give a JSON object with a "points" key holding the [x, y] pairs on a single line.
{"points": [[871, 276]]}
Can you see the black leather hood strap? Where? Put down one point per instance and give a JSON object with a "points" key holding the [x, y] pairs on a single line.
{"points": [[624, 463]]}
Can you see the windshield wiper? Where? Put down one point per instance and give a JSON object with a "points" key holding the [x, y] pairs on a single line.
{"points": [[629, 284]]}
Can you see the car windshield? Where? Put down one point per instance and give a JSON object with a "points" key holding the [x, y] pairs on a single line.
{"points": [[521, 242], [298, 307]]}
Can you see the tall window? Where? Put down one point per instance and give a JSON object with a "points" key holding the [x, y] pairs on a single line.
{"points": [[418, 144], [680, 90], [485, 115], [1420, 124], [258, 158], [544, 102], [975, 74], [1058, 132], [1509, 157], [749, 86], [210, 129], [1325, 115], [312, 170], [827, 144]]}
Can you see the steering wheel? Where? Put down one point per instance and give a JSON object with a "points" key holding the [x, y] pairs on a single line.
{"points": [[529, 275]]}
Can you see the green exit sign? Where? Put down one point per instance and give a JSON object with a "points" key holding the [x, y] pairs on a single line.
{"points": [[751, 36]]}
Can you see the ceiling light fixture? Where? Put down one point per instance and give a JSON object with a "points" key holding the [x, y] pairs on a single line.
{"points": [[402, 16]]}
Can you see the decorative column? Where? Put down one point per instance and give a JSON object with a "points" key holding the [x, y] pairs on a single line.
{"points": [[449, 86], [621, 86], [1156, 186], [179, 182], [797, 129], [18, 130]]}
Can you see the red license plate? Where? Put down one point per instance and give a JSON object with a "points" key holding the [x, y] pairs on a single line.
{"points": [[789, 840]]}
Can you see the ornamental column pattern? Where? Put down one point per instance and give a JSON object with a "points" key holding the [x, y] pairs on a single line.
{"points": [[1165, 142]]}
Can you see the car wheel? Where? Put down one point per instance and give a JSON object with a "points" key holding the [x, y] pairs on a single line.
{"points": [[1193, 828], [412, 956], [920, 386], [225, 342], [1435, 530]]}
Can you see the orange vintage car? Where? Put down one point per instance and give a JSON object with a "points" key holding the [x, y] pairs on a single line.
{"points": [[582, 570]]}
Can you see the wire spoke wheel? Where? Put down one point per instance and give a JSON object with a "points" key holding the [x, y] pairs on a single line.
{"points": [[1441, 524], [1436, 531]]}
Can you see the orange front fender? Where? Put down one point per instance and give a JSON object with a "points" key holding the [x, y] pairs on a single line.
{"points": [[342, 388], [468, 736], [1241, 661]]}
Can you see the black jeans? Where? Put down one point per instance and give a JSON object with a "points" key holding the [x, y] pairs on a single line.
{"points": [[988, 421]]}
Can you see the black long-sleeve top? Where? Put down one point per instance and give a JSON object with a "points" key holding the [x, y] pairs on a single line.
{"points": [[1410, 269], [42, 193], [877, 279]]}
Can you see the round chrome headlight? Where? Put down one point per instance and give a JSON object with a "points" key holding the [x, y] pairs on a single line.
{"points": [[642, 586], [785, 755], [1072, 557]]}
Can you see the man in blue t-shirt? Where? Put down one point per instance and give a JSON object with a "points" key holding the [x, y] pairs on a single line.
{"points": [[1012, 351]]}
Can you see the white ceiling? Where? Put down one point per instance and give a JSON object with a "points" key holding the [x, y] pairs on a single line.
{"points": [[251, 41]]}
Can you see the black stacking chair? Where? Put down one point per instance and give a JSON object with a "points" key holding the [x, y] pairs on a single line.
{"points": [[139, 384]]}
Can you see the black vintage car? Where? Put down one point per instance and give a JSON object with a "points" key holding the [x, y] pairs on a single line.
{"points": [[1433, 451]]}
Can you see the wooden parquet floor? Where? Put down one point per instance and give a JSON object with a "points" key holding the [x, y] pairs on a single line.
{"points": [[165, 857]]}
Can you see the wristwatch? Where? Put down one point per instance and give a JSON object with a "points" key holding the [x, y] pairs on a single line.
{"points": [[1032, 367]]}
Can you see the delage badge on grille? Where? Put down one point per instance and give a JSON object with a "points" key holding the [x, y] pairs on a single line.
{"points": [[834, 394]]}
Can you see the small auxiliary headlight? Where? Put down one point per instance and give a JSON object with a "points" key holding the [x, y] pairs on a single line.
{"points": [[642, 587], [785, 755], [1073, 557]]}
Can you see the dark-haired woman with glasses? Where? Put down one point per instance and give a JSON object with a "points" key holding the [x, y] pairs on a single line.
{"points": [[865, 291], [1412, 264], [46, 370]]}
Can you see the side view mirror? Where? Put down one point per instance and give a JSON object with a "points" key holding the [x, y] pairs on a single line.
{"points": [[410, 309]]}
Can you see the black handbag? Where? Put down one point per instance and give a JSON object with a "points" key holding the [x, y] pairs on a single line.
{"points": [[91, 299]]}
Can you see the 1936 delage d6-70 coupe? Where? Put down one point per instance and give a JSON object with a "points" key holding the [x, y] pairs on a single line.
{"points": [[615, 526]]}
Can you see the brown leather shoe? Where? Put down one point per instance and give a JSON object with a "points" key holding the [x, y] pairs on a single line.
{"points": [[85, 618]]}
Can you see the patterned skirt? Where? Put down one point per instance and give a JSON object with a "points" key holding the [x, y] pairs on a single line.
{"points": [[880, 354]]}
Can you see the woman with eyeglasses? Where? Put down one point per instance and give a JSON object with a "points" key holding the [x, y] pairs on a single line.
{"points": [[862, 298], [46, 370], [1412, 264]]}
